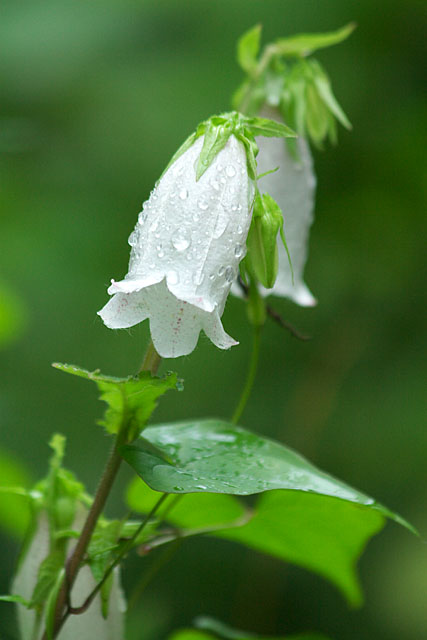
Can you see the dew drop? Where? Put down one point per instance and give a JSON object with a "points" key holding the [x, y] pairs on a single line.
{"points": [[215, 184], [221, 224], [229, 274], [196, 216], [219, 167], [154, 226], [230, 171], [212, 276], [160, 251], [202, 204], [238, 250], [133, 238], [198, 278], [142, 217], [240, 229], [183, 194], [221, 271], [180, 240]]}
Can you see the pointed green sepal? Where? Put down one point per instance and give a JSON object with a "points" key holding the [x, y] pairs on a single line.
{"points": [[216, 136], [324, 89], [304, 44], [268, 128]]}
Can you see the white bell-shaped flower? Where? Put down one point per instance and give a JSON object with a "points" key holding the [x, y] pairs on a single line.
{"points": [[186, 249], [293, 188], [87, 626]]}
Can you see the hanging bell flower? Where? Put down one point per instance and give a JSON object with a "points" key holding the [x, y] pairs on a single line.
{"points": [[293, 188], [191, 236]]}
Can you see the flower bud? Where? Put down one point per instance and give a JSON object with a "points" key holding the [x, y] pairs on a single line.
{"points": [[293, 188], [89, 625]]}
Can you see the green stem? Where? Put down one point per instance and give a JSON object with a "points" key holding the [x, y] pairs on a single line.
{"points": [[250, 379], [150, 363]]}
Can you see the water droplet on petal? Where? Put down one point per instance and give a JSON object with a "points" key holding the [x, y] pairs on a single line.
{"points": [[180, 240], [202, 204], [142, 217], [198, 278], [219, 167], [183, 194], [160, 251], [230, 171], [221, 271], [215, 184], [229, 274], [221, 224], [240, 229], [238, 250], [154, 226], [212, 276], [133, 238]]}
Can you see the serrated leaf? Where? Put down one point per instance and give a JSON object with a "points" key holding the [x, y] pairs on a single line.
{"points": [[216, 136], [248, 46], [130, 400], [306, 43]]}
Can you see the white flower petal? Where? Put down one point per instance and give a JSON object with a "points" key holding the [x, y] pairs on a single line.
{"points": [[186, 249], [174, 324], [293, 188]]}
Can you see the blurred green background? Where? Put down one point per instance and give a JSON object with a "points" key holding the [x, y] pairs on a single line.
{"points": [[96, 97]]}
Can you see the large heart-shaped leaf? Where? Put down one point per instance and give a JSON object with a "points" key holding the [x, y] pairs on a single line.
{"points": [[215, 456]]}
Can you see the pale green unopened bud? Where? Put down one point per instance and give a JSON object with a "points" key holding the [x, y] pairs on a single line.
{"points": [[262, 239]]}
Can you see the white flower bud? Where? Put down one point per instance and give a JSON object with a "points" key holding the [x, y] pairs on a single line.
{"points": [[186, 249], [293, 188], [89, 625]]}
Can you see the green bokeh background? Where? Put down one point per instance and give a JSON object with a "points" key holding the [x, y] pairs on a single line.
{"points": [[96, 97]]}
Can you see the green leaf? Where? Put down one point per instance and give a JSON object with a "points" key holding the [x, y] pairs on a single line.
{"points": [[131, 400], [197, 510], [215, 139], [14, 511], [319, 533], [306, 43], [317, 117], [16, 598], [248, 48], [268, 128], [218, 457]]}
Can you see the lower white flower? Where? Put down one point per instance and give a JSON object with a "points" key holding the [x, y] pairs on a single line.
{"points": [[293, 187], [186, 249], [91, 624]]}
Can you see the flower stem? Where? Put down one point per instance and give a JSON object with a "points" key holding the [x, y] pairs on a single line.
{"points": [[250, 379], [150, 363]]}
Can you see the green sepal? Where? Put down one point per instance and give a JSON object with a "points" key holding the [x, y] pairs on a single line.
{"points": [[221, 630], [48, 573], [324, 89], [248, 46], [182, 149], [304, 44], [51, 604], [130, 401], [215, 139], [268, 128]]}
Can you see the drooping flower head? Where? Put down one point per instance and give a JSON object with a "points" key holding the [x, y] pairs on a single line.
{"points": [[191, 236], [284, 84]]}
